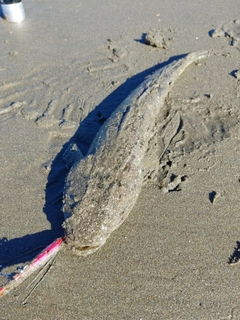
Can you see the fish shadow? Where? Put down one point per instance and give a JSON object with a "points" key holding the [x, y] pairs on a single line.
{"points": [[21, 250]]}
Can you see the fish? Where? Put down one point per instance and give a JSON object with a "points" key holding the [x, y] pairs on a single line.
{"points": [[102, 187]]}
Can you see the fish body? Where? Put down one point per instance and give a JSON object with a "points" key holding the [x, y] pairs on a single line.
{"points": [[102, 188]]}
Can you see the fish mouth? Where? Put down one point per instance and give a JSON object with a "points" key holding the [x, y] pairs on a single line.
{"points": [[81, 250]]}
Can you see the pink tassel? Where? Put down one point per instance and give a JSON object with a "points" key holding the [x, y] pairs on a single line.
{"points": [[39, 261]]}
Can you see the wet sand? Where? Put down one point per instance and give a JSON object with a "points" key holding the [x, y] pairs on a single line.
{"points": [[63, 71]]}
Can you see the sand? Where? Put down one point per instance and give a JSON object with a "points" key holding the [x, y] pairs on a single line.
{"points": [[63, 71]]}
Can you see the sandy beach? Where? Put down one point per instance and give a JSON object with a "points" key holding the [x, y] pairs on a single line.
{"points": [[63, 71]]}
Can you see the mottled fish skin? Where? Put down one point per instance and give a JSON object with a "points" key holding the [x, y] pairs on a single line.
{"points": [[102, 188]]}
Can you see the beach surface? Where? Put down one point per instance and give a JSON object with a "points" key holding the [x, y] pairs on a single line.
{"points": [[63, 71]]}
